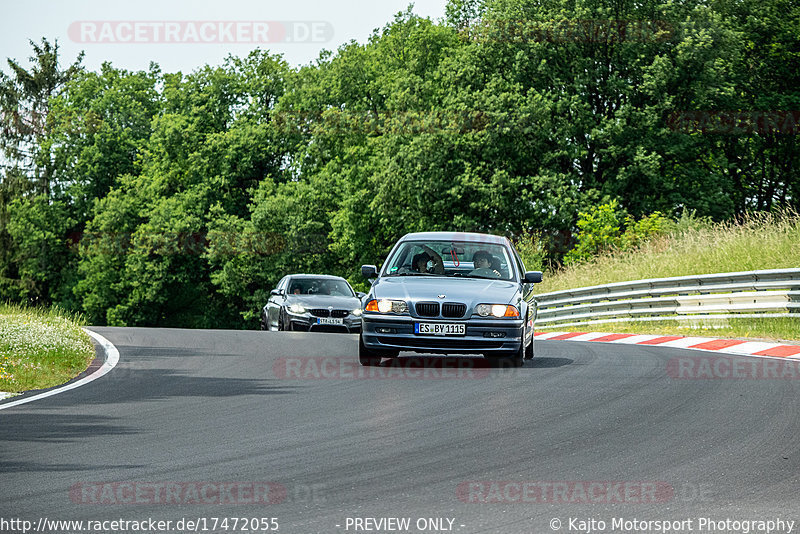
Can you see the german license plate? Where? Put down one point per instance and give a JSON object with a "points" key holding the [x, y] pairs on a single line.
{"points": [[329, 320], [440, 329]]}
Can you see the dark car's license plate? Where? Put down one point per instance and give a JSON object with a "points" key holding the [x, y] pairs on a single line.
{"points": [[440, 329]]}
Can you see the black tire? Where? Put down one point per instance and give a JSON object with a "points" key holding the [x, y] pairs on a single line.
{"points": [[517, 358], [281, 327], [263, 323], [367, 357], [529, 351]]}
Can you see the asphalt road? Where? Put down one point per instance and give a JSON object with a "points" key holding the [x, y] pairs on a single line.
{"points": [[190, 410]]}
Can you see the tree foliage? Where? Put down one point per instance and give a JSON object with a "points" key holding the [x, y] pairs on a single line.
{"points": [[572, 126]]}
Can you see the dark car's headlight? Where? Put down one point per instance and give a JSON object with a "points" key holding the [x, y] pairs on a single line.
{"points": [[297, 309], [356, 312], [497, 310], [386, 306]]}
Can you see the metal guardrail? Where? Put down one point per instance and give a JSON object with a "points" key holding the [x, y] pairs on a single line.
{"points": [[685, 298]]}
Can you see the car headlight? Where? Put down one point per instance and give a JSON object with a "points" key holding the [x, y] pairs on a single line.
{"points": [[497, 310], [387, 306], [357, 311], [297, 308]]}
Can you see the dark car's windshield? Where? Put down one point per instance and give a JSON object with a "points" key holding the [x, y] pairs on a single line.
{"points": [[320, 286], [446, 258]]}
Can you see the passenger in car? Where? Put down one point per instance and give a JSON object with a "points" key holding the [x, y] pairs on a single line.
{"points": [[420, 261]]}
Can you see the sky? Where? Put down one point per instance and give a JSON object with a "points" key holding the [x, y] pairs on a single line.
{"points": [[187, 34]]}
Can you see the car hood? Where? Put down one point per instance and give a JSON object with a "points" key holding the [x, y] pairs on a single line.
{"points": [[470, 291], [324, 301]]}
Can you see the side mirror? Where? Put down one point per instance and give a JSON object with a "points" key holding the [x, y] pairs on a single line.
{"points": [[276, 292], [361, 294], [533, 277], [369, 271]]}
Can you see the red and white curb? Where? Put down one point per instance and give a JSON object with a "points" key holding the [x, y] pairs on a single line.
{"points": [[725, 346]]}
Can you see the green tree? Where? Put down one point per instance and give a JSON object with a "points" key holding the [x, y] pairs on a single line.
{"points": [[195, 193], [25, 98], [101, 126], [27, 181], [205, 156], [761, 158]]}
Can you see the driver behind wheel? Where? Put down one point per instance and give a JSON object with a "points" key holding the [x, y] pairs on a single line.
{"points": [[482, 261]]}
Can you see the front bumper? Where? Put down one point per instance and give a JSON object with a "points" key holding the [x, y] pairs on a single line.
{"points": [[483, 336]]}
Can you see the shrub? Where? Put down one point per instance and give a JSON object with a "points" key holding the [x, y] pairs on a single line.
{"points": [[608, 228], [532, 251]]}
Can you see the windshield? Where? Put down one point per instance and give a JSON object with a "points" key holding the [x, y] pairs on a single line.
{"points": [[453, 259], [320, 286]]}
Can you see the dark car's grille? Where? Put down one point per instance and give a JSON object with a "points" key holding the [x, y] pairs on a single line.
{"points": [[427, 309], [453, 309], [322, 312]]}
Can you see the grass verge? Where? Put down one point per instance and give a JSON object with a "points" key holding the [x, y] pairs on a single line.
{"points": [[41, 348], [759, 242]]}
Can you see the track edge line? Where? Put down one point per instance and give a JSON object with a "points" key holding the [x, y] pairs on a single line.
{"points": [[111, 360]]}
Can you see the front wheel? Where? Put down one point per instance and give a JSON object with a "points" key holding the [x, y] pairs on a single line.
{"points": [[367, 357], [529, 351], [518, 357]]}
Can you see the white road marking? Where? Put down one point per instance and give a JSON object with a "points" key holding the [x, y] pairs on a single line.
{"points": [[112, 358]]}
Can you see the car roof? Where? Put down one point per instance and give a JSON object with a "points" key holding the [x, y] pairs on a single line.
{"points": [[325, 276], [467, 237]]}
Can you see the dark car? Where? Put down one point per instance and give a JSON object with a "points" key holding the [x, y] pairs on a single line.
{"points": [[449, 293], [313, 302]]}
